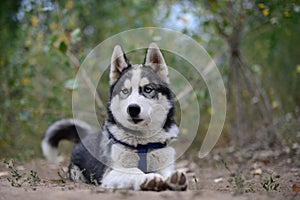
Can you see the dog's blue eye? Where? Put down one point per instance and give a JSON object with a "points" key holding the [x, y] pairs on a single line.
{"points": [[125, 91], [148, 90]]}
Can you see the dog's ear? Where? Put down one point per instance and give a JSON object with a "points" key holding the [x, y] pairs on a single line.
{"points": [[156, 61], [118, 63]]}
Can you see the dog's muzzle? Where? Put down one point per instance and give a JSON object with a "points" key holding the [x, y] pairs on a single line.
{"points": [[134, 110]]}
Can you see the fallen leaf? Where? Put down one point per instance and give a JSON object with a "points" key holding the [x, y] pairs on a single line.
{"points": [[257, 171], [218, 180], [296, 188]]}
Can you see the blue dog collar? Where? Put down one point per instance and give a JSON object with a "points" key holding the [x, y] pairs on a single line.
{"points": [[142, 150]]}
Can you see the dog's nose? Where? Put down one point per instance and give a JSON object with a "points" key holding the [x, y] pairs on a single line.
{"points": [[134, 110]]}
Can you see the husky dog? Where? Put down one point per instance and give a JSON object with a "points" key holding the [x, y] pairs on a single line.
{"points": [[131, 151]]}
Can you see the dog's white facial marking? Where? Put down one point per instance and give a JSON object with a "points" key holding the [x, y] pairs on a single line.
{"points": [[136, 77], [144, 81], [127, 84]]}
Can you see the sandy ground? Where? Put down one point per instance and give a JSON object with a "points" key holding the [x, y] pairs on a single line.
{"points": [[225, 174]]}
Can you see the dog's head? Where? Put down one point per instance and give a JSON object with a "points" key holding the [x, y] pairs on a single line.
{"points": [[140, 98]]}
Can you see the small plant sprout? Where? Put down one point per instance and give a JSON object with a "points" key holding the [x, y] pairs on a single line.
{"points": [[270, 184], [17, 179]]}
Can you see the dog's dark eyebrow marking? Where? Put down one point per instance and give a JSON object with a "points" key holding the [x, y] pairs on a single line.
{"points": [[165, 91]]}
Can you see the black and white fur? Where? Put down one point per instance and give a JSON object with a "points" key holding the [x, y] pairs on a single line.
{"points": [[140, 112]]}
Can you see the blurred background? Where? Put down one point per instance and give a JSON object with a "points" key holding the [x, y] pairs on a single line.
{"points": [[255, 44]]}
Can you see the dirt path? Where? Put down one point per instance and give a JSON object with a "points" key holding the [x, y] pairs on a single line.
{"points": [[225, 174]]}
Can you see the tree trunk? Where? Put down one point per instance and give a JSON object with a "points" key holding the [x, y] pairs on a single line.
{"points": [[241, 78], [235, 85]]}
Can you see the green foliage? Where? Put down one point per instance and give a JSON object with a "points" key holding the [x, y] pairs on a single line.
{"points": [[15, 175], [275, 52], [44, 43], [33, 178], [238, 180], [17, 179], [270, 184], [263, 36], [93, 180]]}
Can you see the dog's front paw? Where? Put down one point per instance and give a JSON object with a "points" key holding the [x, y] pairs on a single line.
{"points": [[154, 183], [177, 181]]}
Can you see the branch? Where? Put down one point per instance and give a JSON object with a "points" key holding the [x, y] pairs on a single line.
{"points": [[221, 31]]}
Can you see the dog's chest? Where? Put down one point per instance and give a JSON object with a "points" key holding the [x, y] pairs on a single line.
{"points": [[155, 160]]}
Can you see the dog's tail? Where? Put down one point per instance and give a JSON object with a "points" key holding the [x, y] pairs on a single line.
{"points": [[64, 129]]}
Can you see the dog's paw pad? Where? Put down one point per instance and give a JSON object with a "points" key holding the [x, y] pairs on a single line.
{"points": [[177, 181], [154, 184]]}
